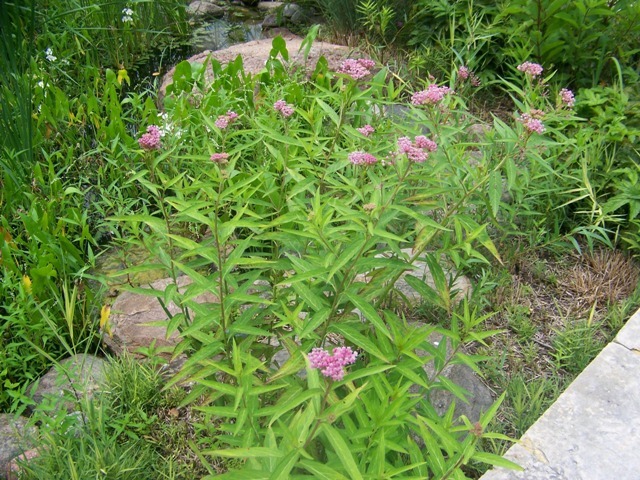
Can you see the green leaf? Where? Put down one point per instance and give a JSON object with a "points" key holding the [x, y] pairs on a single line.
{"points": [[285, 465], [342, 450], [370, 313], [329, 111], [251, 452], [359, 340], [495, 191], [496, 461], [425, 291], [290, 402], [278, 45], [321, 470]]}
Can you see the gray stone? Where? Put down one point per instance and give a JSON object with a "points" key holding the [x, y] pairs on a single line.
{"points": [[629, 336], [478, 400], [478, 132], [203, 8], [132, 316], [290, 9], [592, 432], [269, 5], [15, 438], [299, 17], [271, 21], [81, 376], [461, 284], [478, 397]]}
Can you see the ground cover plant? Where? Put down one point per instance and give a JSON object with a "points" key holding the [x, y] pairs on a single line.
{"points": [[299, 201]]}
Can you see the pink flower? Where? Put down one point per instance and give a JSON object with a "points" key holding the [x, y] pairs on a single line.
{"points": [[220, 157], [366, 130], [529, 68], [532, 124], [332, 365], [223, 121], [362, 158], [432, 95], [463, 72], [567, 97], [284, 108], [423, 142], [151, 139], [356, 68], [418, 150], [404, 144], [475, 81]]}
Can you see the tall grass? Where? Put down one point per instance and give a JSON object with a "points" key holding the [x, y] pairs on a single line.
{"points": [[17, 139]]}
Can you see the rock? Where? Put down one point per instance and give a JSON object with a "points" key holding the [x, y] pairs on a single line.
{"points": [[242, 14], [478, 401], [132, 313], [478, 132], [290, 9], [271, 21], [256, 53], [479, 397], [461, 284], [13, 469], [15, 438], [205, 9], [81, 375], [268, 5]]}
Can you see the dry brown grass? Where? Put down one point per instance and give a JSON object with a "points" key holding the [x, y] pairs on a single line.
{"points": [[555, 294]]}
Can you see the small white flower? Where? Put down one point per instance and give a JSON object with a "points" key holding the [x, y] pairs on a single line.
{"points": [[127, 15], [40, 84], [49, 55]]}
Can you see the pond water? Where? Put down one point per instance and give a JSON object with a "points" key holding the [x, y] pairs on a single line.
{"points": [[238, 25]]}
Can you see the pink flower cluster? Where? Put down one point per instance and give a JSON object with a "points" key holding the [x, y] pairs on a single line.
{"points": [[465, 74], [567, 97], [356, 68], [151, 139], [532, 123], [332, 365], [432, 95], [220, 157], [530, 68], [418, 150], [366, 130], [284, 108], [223, 121], [362, 158]]}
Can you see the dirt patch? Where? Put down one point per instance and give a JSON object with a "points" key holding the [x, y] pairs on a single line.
{"points": [[547, 295]]}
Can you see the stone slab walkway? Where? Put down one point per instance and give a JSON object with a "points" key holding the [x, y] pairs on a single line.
{"points": [[592, 432]]}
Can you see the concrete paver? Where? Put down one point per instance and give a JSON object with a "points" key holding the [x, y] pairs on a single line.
{"points": [[592, 432]]}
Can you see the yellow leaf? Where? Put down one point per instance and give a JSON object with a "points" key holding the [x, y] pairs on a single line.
{"points": [[105, 312], [26, 283], [122, 75]]}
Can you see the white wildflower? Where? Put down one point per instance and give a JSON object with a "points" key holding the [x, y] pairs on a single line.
{"points": [[127, 15], [49, 55]]}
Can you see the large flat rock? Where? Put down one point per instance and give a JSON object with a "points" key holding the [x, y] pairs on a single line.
{"points": [[136, 319], [592, 432], [255, 54]]}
